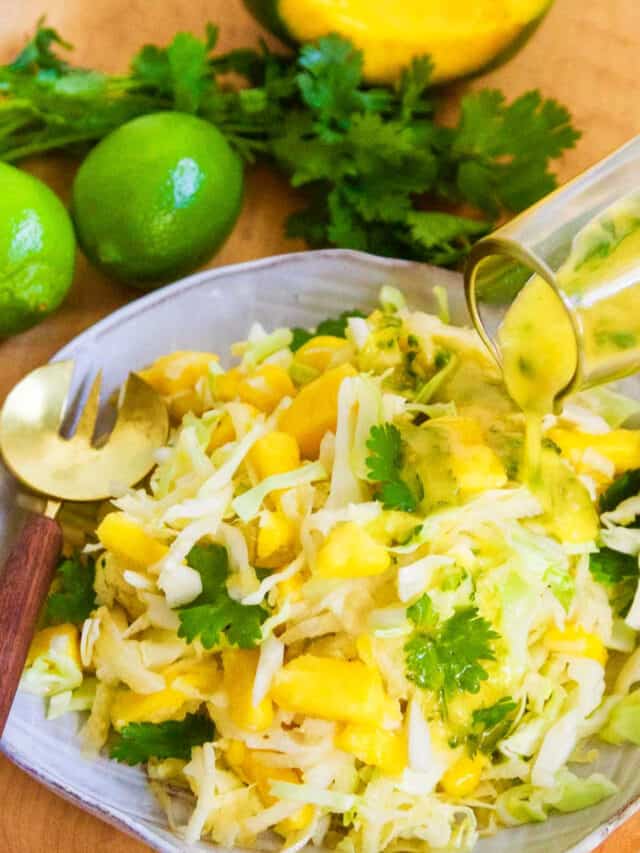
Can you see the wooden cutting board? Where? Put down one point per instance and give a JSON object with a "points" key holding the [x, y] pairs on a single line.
{"points": [[585, 54]]}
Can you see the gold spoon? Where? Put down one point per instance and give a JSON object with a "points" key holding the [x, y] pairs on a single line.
{"points": [[77, 468]]}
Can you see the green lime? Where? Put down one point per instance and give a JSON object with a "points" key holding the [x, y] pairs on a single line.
{"points": [[37, 250], [157, 197]]}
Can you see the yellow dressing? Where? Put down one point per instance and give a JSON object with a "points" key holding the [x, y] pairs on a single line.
{"points": [[537, 339]]}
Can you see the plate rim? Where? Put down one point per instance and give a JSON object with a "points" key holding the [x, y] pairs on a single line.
{"points": [[112, 816]]}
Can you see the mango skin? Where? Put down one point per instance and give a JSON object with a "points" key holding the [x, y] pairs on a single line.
{"points": [[269, 14]]}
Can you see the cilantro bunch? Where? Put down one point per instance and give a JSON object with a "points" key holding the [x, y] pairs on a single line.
{"points": [[382, 173]]}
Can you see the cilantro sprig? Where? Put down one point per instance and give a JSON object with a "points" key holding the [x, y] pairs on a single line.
{"points": [[214, 613], [74, 597], [372, 158], [445, 657], [384, 466], [136, 743]]}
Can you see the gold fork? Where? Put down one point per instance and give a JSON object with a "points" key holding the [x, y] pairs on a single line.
{"points": [[77, 468]]}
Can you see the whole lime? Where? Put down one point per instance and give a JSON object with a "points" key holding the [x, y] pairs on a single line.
{"points": [[157, 197], [37, 250]]}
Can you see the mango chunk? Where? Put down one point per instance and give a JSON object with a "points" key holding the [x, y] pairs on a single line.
{"points": [[576, 641], [463, 777], [178, 371], [276, 540], [265, 387], [275, 453], [375, 746], [63, 638], [332, 689], [620, 446], [320, 352], [350, 552], [314, 412], [128, 541], [239, 674]]}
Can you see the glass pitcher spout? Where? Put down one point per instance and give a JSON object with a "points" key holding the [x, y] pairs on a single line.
{"points": [[569, 267]]}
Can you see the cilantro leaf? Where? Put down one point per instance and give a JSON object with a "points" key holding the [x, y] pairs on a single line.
{"points": [[625, 486], [38, 55], [422, 613], [620, 573], [503, 150], [74, 598], [385, 444], [610, 567], [334, 326], [487, 718], [489, 725], [214, 613], [136, 743], [330, 84], [446, 659], [384, 467], [413, 91]]}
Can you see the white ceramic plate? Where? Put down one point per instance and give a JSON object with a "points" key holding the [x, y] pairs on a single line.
{"points": [[208, 312]]}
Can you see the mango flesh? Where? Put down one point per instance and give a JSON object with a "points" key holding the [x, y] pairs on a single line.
{"points": [[460, 36]]}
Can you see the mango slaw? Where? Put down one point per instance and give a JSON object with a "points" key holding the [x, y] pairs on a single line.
{"points": [[337, 615]]}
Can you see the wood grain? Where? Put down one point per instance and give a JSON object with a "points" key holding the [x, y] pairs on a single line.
{"points": [[25, 580], [585, 54]]}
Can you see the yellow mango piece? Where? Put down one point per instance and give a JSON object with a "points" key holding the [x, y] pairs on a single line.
{"points": [[235, 754], [188, 682], [239, 674], [275, 453], [253, 768], [169, 704], [332, 689], [574, 640], [620, 446], [475, 466], [463, 777], [185, 402], [276, 540], [314, 412], [320, 352], [128, 541], [200, 676], [177, 371], [291, 587], [375, 746], [265, 387], [570, 514], [63, 638], [223, 433], [297, 821], [226, 384], [350, 552], [262, 775]]}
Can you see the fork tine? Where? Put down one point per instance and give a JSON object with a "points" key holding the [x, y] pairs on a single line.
{"points": [[87, 420]]}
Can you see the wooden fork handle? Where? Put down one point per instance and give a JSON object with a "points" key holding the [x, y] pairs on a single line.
{"points": [[24, 584]]}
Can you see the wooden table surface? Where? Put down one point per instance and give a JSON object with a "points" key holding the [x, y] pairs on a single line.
{"points": [[585, 54]]}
